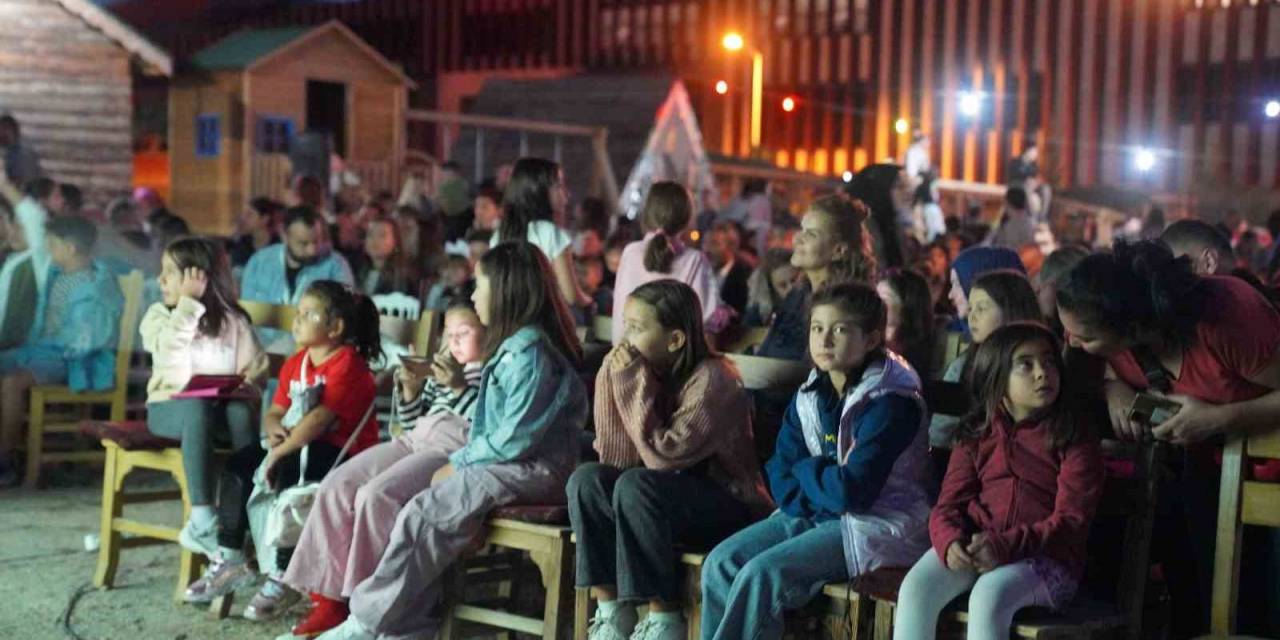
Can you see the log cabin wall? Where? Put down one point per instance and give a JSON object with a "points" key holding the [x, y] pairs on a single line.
{"points": [[69, 86]]}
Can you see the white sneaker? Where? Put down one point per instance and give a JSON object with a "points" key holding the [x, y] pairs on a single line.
{"points": [[202, 540], [349, 630], [650, 629], [618, 626]]}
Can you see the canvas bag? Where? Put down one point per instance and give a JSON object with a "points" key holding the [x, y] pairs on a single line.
{"points": [[276, 517]]}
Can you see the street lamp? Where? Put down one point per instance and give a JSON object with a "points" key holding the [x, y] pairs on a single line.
{"points": [[901, 125], [970, 103], [788, 104], [1144, 160], [722, 87], [733, 42], [1272, 109]]}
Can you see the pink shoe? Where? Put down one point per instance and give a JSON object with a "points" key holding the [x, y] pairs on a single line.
{"points": [[218, 580]]}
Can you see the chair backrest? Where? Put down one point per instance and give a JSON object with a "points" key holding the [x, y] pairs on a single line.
{"points": [[131, 285], [426, 338], [769, 373], [602, 329], [746, 340], [398, 305], [266, 314], [1241, 501]]}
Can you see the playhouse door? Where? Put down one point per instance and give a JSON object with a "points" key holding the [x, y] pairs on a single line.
{"points": [[327, 112]]}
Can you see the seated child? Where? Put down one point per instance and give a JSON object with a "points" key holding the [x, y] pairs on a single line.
{"points": [[850, 475], [197, 328], [522, 446], [677, 464], [322, 404], [73, 339], [1021, 490], [455, 283], [350, 525]]}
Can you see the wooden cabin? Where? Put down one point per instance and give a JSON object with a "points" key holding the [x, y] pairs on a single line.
{"points": [[66, 74], [238, 108]]}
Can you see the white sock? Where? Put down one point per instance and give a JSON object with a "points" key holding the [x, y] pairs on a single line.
{"points": [[673, 617], [203, 515], [607, 609], [230, 555]]}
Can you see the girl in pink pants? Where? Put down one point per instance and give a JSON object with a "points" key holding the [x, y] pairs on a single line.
{"points": [[356, 507]]}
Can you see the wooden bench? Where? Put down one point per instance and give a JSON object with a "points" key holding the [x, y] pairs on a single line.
{"points": [[1241, 501]]}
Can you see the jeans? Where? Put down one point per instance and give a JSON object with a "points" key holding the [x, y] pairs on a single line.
{"points": [[995, 597], [199, 424], [755, 575], [628, 522]]}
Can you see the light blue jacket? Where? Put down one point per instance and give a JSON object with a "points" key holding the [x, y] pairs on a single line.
{"points": [[264, 276], [532, 404], [88, 330]]}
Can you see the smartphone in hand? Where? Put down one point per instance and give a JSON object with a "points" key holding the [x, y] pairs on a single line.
{"points": [[1152, 410]]}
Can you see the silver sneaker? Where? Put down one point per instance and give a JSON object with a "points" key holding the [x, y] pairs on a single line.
{"points": [[218, 580]]}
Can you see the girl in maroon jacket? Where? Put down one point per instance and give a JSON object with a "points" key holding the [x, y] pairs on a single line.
{"points": [[1020, 492]]}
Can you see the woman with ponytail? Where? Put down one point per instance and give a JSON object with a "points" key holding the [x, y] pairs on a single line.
{"points": [[667, 211], [1211, 344]]}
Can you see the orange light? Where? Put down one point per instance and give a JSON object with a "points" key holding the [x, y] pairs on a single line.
{"points": [[733, 41], [722, 87], [788, 104], [900, 125]]}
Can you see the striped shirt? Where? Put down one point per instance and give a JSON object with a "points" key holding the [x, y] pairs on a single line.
{"points": [[436, 398]]}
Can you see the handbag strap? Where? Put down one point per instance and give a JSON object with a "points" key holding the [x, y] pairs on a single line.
{"points": [[302, 463]]}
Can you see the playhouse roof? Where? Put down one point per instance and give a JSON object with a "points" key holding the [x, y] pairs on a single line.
{"points": [[249, 48], [243, 48]]}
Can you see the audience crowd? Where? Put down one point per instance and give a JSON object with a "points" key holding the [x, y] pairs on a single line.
{"points": [[995, 498]]}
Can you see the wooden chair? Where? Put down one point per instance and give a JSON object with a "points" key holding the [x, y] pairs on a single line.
{"points": [[542, 532], [1241, 501], [1135, 499], [602, 329], [115, 398], [130, 446], [757, 374], [427, 335]]}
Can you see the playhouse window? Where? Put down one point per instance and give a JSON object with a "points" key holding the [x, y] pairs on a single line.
{"points": [[208, 136], [274, 134]]}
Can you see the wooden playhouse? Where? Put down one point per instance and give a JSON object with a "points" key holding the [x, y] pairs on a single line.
{"points": [[239, 105]]}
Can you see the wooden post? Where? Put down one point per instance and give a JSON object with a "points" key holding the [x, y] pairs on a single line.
{"points": [[479, 172]]}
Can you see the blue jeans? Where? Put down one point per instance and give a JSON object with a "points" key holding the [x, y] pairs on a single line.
{"points": [[755, 575]]}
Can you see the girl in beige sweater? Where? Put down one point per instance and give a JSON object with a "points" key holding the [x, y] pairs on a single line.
{"points": [[677, 464], [198, 329]]}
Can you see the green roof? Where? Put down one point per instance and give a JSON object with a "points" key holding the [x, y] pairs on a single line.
{"points": [[243, 48]]}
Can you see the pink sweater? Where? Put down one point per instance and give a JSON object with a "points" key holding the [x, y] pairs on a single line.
{"points": [[690, 266], [709, 419]]}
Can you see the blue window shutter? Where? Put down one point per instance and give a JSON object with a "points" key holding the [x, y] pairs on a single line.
{"points": [[208, 136]]}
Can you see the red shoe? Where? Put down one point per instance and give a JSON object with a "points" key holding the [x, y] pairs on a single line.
{"points": [[325, 615]]}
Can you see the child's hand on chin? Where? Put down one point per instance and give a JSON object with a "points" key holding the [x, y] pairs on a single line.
{"points": [[621, 356]]}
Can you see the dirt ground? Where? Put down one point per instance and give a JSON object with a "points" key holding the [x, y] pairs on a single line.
{"points": [[43, 565]]}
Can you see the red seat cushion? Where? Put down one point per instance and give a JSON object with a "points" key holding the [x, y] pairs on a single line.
{"points": [[549, 514], [882, 584], [130, 436]]}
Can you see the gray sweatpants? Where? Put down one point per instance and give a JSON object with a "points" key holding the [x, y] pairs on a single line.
{"points": [[200, 424], [432, 530]]}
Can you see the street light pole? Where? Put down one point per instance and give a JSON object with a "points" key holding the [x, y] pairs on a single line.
{"points": [[733, 42], [757, 98]]}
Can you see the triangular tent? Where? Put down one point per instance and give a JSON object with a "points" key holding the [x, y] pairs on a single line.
{"points": [[674, 151]]}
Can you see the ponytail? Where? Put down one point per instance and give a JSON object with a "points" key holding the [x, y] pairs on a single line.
{"points": [[667, 212], [659, 253], [359, 316]]}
